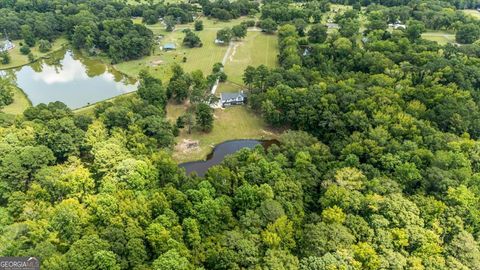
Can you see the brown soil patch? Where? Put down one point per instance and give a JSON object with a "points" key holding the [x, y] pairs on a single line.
{"points": [[187, 146]]}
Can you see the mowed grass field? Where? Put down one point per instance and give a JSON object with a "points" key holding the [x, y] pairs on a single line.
{"points": [[18, 59], [203, 58], [20, 102], [472, 12], [232, 123], [254, 50], [441, 37]]}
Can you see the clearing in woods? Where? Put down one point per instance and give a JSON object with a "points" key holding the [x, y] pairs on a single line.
{"points": [[160, 62], [441, 37]]}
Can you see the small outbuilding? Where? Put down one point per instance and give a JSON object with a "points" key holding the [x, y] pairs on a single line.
{"points": [[332, 26], [169, 47], [228, 99]]}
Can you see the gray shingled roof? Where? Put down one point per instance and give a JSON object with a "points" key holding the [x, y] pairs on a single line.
{"points": [[225, 96]]}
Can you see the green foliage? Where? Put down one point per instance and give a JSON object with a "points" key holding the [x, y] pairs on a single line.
{"points": [[6, 94], [5, 58], [468, 33], [224, 35], [239, 31], [382, 171], [44, 46], [268, 25], [204, 117], [151, 90], [198, 25], [191, 40], [317, 33], [25, 49]]}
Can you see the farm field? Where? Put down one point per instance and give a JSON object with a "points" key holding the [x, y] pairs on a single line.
{"points": [[235, 122], [18, 59], [439, 36], [256, 49]]}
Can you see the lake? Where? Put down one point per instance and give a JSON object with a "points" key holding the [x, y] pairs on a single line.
{"points": [[69, 77], [220, 151]]}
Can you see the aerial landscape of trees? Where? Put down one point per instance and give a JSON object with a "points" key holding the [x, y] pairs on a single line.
{"points": [[377, 165]]}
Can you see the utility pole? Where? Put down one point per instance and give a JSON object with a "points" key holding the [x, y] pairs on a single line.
{"points": [[5, 34]]}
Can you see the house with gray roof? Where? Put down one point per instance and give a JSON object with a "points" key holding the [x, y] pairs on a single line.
{"points": [[228, 99], [6, 46]]}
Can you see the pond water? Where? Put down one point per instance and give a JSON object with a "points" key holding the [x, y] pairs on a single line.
{"points": [[69, 77], [220, 151]]}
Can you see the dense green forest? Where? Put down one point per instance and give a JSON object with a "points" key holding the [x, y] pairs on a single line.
{"points": [[380, 168]]}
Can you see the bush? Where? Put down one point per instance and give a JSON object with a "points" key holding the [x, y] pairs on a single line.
{"points": [[31, 58], [249, 23], [44, 46], [6, 95], [25, 50], [5, 57], [198, 25]]}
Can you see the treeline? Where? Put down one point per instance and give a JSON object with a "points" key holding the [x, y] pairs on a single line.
{"points": [[88, 24], [396, 112], [460, 4], [176, 13], [227, 10]]}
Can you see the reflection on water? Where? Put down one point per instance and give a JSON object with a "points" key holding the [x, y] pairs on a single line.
{"points": [[72, 79], [220, 151]]}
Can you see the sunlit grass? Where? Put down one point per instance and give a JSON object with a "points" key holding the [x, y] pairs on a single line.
{"points": [[236, 122], [20, 102], [18, 59]]}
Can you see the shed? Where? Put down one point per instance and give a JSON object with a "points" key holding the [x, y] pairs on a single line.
{"points": [[169, 47], [228, 99], [332, 26]]}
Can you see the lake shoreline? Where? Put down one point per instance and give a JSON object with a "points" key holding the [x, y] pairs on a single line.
{"points": [[46, 56], [222, 150], [88, 81]]}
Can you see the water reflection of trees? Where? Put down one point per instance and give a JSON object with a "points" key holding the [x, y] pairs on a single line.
{"points": [[93, 67]]}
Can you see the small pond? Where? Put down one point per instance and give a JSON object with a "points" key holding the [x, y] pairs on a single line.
{"points": [[219, 153], [69, 77]]}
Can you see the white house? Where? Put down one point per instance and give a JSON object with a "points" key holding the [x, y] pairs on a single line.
{"points": [[228, 99], [6, 46]]}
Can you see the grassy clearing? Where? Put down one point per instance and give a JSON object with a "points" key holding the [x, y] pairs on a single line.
{"points": [[472, 12], [160, 62], [229, 87], [231, 123], [256, 49], [441, 37], [18, 59], [20, 102]]}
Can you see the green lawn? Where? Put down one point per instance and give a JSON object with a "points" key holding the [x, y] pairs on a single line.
{"points": [[160, 62], [472, 12], [229, 87], [19, 59], [439, 36], [20, 102], [256, 49], [232, 123]]}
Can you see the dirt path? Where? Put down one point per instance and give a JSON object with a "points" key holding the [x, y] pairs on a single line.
{"points": [[224, 60]]}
